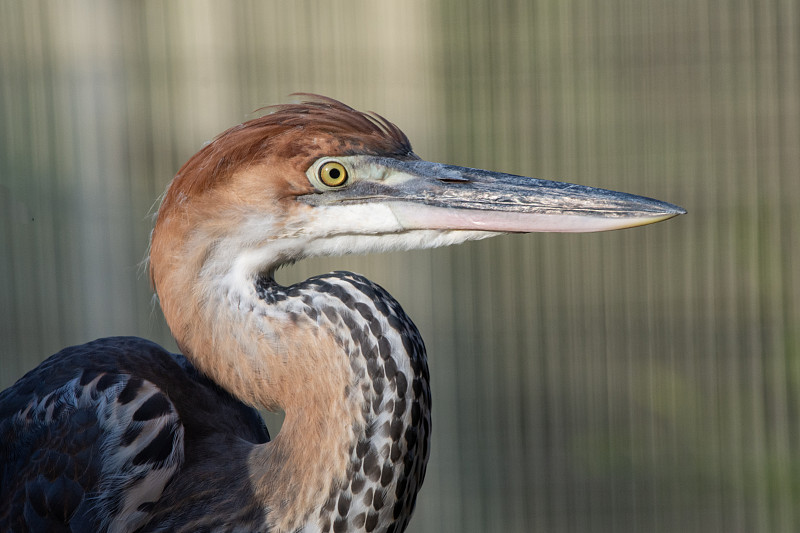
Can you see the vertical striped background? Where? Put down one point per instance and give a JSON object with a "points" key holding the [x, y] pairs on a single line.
{"points": [[640, 380]]}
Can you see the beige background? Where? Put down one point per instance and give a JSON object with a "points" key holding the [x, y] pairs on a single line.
{"points": [[641, 380]]}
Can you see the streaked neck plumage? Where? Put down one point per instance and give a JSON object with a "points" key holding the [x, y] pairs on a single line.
{"points": [[336, 353]]}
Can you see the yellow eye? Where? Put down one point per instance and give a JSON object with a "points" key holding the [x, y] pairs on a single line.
{"points": [[332, 174]]}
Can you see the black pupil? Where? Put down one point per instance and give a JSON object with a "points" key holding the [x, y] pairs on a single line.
{"points": [[334, 173]]}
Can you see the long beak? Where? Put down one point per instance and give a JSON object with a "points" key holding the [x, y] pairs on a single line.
{"points": [[425, 195]]}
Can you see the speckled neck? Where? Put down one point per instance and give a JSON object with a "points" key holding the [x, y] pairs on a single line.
{"points": [[386, 394]]}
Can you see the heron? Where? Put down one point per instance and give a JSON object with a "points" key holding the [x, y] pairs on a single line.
{"points": [[121, 435]]}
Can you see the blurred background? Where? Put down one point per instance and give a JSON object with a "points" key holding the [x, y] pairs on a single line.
{"points": [[639, 380]]}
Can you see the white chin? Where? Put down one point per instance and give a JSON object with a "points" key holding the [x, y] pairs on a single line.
{"points": [[392, 242]]}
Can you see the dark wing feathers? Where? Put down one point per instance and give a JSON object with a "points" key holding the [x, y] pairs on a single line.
{"points": [[96, 423]]}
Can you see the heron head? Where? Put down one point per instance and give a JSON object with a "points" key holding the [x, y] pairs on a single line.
{"points": [[320, 178]]}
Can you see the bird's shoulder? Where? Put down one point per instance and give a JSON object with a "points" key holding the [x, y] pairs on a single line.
{"points": [[96, 431]]}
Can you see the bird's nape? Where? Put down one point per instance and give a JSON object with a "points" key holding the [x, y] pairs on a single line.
{"points": [[167, 442]]}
